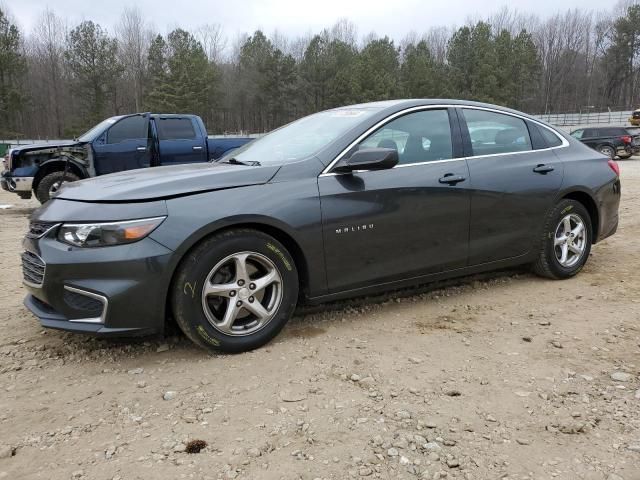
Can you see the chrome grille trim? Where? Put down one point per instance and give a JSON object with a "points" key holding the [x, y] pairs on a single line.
{"points": [[95, 296], [40, 229]]}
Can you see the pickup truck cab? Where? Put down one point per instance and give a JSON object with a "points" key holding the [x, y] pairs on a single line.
{"points": [[118, 143]]}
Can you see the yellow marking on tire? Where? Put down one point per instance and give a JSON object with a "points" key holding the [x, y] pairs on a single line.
{"points": [[205, 336], [188, 286], [567, 208], [277, 251]]}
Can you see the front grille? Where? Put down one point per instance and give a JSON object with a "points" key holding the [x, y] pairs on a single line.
{"points": [[33, 268], [38, 229], [91, 306]]}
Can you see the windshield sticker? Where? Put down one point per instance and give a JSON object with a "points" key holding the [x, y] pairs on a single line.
{"points": [[346, 113]]}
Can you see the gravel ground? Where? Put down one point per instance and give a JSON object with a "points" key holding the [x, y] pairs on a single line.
{"points": [[508, 377]]}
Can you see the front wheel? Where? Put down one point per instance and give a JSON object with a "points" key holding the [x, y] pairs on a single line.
{"points": [[235, 291], [51, 183], [566, 242]]}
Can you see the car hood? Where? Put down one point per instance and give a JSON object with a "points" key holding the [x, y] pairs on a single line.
{"points": [[165, 182], [38, 146]]}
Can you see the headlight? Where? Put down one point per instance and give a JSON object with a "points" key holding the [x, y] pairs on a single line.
{"points": [[106, 234]]}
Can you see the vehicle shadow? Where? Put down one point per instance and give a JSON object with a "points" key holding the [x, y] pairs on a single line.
{"points": [[71, 348]]}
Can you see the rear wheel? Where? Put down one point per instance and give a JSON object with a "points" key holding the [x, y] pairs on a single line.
{"points": [[625, 156], [566, 242], [51, 183], [235, 291], [607, 150]]}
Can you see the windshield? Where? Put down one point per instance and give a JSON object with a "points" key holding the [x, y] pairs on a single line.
{"points": [[96, 131], [302, 138]]}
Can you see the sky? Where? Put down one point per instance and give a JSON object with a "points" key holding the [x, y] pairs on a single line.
{"points": [[395, 18]]}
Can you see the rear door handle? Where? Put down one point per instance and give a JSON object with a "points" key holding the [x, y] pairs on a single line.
{"points": [[197, 148], [542, 168], [141, 149], [452, 179]]}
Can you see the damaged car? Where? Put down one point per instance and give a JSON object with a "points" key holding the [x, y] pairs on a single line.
{"points": [[342, 203], [118, 143]]}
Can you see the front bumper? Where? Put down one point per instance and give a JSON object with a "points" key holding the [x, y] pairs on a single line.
{"points": [[118, 290], [15, 184]]}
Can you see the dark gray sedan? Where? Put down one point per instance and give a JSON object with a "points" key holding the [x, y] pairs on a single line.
{"points": [[345, 202]]}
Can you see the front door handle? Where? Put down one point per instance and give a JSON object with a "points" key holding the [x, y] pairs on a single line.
{"points": [[141, 149], [452, 179], [543, 169], [197, 148]]}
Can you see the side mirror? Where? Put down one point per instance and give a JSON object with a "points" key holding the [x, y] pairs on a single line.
{"points": [[368, 159]]}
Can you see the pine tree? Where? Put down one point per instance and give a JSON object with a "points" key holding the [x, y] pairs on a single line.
{"points": [[12, 68], [92, 60], [377, 70]]}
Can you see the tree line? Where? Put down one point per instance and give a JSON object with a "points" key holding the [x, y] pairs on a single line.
{"points": [[56, 81]]}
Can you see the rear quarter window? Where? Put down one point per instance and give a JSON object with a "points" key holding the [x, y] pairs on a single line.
{"points": [[612, 132], [552, 139]]}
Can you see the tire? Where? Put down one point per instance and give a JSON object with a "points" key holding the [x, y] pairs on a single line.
{"points": [[214, 263], [51, 182], [625, 157], [607, 150], [549, 264]]}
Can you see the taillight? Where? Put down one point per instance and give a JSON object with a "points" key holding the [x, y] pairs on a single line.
{"points": [[613, 165], [626, 138]]}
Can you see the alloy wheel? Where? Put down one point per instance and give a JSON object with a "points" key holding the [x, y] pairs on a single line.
{"points": [[570, 240], [608, 151], [242, 293]]}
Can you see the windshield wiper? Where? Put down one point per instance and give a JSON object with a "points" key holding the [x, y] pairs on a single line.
{"points": [[235, 161]]}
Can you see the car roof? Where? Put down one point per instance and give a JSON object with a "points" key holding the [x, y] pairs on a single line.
{"points": [[391, 106]]}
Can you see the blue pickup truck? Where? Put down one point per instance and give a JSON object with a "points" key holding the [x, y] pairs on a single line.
{"points": [[118, 143]]}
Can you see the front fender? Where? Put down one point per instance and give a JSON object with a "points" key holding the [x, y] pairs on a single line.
{"points": [[56, 164], [290, 208], [60, 163]]}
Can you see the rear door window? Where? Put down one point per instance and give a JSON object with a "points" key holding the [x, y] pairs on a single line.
{"points": [[175, 129], [129, 128], [494, 133]]}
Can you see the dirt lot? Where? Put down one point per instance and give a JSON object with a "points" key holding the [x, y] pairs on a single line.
{"points": [[513, 377]]}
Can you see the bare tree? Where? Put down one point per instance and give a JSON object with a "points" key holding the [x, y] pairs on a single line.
{"points": [[345, 31], [47, 44], [213, 40], [561, 40], [280, 41], [512, 21], [437, 39], [134, 37]]}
